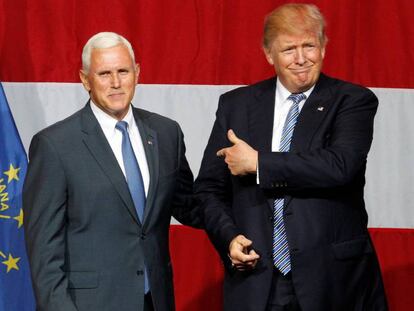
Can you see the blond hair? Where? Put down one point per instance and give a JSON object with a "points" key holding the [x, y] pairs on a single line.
{"points": [[292, 19]]}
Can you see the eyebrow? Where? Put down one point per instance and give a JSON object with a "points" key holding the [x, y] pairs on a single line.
{"points": [[104, 71]]}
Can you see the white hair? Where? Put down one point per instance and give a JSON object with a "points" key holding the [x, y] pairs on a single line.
{"points": [[103, 40]]}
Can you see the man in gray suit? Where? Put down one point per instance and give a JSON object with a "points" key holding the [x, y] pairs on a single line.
{"points": [[100, 191]]}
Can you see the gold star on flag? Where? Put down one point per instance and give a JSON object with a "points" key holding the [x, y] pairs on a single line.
{"points": [[12, 173], [11, 263], [19, 219]]}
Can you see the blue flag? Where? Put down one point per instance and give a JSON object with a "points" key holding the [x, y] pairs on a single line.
{"points": [[16, 292]]}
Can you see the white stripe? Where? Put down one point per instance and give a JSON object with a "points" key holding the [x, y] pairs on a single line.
{"points": [[390, 172]]}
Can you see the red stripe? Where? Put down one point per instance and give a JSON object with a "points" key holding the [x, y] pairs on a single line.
{"points": [[201, 42], [396, 255], [198, 272]]}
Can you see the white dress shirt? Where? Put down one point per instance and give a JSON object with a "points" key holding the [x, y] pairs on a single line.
{"points": [[114, 138]]}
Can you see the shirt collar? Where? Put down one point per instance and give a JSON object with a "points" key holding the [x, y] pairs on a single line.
{"points": [[283, 93], [106, 121]]}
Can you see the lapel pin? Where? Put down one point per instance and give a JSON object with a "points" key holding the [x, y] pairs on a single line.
{"points": [[149, 142], [320, 108]]}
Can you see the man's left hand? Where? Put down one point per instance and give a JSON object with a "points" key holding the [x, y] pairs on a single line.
{"points": [[241, 159]]}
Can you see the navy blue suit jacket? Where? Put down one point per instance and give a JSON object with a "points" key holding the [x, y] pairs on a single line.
{"points": [[334, 266]]}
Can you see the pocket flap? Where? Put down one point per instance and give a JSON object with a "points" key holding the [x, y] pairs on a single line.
{"points": [[83, 279], [352, 248]]}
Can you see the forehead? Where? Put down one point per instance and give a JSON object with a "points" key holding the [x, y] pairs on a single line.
{"points": [[111, 57], [296, 38]]}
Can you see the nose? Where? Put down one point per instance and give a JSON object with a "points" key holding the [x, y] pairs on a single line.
{"points": [[300, 56], [115, 81]]}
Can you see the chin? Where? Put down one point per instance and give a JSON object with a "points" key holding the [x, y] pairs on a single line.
{"points": [[119, 106]]}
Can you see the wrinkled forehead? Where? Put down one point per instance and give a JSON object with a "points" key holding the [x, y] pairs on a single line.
{"points": [[114, 54]]}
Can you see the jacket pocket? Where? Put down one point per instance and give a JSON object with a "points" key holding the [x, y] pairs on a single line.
{"points": [[352, 248], [83, 279]]}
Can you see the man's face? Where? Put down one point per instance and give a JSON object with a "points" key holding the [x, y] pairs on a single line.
{"points": [[297, 60], [111, 80]]}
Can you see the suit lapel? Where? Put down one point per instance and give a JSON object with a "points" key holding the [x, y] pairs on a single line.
{"points": [[312, 115], [100, 149], [150, 143], [260, 111]]}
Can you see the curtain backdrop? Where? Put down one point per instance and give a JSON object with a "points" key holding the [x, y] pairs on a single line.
{"points": [[190, 52]]}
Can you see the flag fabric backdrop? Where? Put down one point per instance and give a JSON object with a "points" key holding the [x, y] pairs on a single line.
{"points": [[15, 285], [190, 52]]}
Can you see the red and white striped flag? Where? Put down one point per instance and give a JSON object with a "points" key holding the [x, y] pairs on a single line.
{"points": [[190, 52]]}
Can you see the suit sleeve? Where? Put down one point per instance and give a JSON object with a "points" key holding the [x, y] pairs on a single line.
{"points": [[184, 207], [44, 204], [336, 160], [214, 189]]}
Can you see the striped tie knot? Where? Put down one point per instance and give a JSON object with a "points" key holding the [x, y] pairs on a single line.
{"points": [[297, 97]]}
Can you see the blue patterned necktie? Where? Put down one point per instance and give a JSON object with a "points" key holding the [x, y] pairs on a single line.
{"points": [[281, 257], [132, 171], [134, 179]]}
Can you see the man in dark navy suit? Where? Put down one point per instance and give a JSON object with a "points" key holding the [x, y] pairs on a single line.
{"points": [[282, 180]]}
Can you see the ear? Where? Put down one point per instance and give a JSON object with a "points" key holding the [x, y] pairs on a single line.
{"points": [[323, 51], [85, 81], [268, 56], [137, 71]]}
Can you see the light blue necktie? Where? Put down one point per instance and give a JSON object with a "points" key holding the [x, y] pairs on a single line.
{"points": [[134, 178], [281, 257]]}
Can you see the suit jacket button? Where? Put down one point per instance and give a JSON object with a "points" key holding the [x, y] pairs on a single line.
{"points": [[142, 236], [140, 272]]}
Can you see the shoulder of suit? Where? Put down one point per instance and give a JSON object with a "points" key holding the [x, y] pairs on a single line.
{"points": [[154, 119], [252, 89], [71, 122], [342, 85]]}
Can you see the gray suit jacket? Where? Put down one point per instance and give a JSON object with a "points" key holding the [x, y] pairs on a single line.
{"points": [[86, 245]]}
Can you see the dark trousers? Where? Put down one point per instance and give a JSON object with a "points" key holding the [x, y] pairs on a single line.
{"points": [[282, 295]]}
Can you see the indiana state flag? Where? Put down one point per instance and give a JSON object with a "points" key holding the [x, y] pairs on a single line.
{"points": [[15, 285]]}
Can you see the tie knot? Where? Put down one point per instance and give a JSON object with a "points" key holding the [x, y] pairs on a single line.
{"points": [[122, 126], [297, 98]]}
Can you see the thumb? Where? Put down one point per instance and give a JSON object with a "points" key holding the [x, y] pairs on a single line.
{"points": [[232, 137], [245, 242], [253, 253]]}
